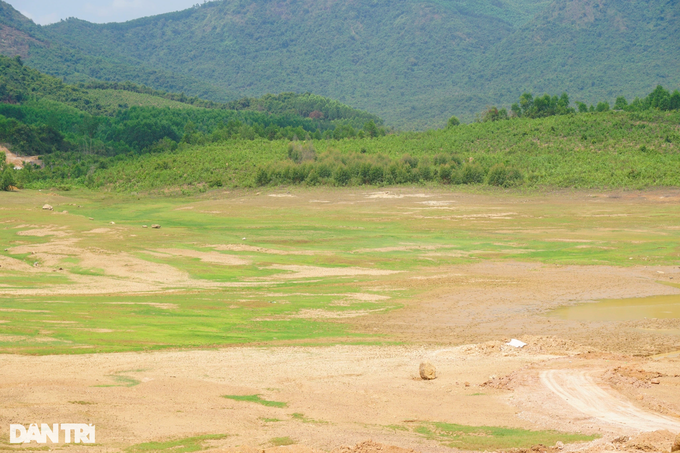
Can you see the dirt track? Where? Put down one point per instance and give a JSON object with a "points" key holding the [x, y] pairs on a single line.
{"points": [[580, 391]]}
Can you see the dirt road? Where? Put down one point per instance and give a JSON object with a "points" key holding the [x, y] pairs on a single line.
{"points": [[581, 392]]}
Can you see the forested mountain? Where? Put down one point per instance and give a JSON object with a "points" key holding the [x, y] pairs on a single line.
{"points": [[413, 62]]}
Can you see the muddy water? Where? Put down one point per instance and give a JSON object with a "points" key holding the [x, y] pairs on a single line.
{"points": [[662, 307]]}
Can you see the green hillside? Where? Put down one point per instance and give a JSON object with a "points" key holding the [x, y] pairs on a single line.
{"points": [[414, 63], [85, 124], [544, 142], [593, 150]]}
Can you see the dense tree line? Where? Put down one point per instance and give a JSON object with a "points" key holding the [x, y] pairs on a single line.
{"points": [[546, 105]]}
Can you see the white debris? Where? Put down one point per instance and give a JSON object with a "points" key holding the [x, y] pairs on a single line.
{"points": [[516, 343]]}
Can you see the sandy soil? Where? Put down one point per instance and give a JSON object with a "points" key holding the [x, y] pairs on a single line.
{"points": [[347, 394], [19, 161]]}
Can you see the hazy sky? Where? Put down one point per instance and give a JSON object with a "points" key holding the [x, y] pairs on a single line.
{"points": [[50, 11]]}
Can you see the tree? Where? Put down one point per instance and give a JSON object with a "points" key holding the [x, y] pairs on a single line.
{"points": [[493, 114], [582, 107], [602, 107], [620, 103], [453, 121], [7, 179], [563, 103], [526, 101], [659, 99], [675, 100], [371, 129]]}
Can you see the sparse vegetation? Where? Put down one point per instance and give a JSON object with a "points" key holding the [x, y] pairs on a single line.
{"points": [[493, 438], [282, 441], [184, 445], [256, 399]]}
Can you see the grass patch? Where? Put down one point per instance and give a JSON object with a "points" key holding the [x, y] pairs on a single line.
{"points": [[122, 381], [256, 399], [185, 445], [94, 271], [491, 437], [301, 417], [282, 441]]}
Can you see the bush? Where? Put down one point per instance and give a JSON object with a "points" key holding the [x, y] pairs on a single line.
{"points": [[342, 176], [7, 179], [502, 176], [301, 152], [472, 174], [312, 178], [445, 174], [262, 178]]}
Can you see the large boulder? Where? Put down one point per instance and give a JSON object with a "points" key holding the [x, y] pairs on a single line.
{"points": [[47, 207], [428, 371], [676, 444]]}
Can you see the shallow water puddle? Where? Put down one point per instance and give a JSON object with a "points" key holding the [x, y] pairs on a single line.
{"points": [[631, 309]]}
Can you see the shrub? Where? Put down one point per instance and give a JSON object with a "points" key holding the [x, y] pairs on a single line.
{"points": [[502, 176], [411, 161], [7, 179], [445, 174], [472, 174], [342, 176], [441, 159], [376, 175], [262, 178], [301, 152], [312, 178]]}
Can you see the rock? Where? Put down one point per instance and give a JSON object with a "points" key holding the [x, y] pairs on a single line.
{"points": [[156, 226], [559, 445], [676, 444], [655, 381], [91, 218], [113, 223], [428, 371], [48, 207], [144, 226], [467, 384]]}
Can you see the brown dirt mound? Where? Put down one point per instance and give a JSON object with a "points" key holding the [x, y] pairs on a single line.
{"points": [[631, 376]]}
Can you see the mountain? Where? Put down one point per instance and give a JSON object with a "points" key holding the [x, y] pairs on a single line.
{"points": [[20, 36], [413, 62], [595, 49]]}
